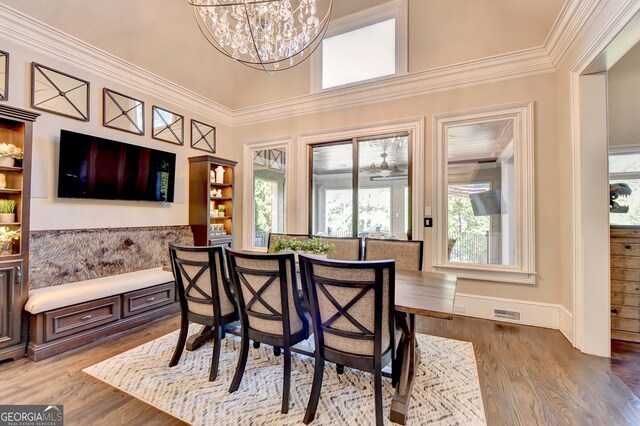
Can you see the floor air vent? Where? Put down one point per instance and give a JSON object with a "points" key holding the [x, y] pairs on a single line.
{"points": [[501, 313]]}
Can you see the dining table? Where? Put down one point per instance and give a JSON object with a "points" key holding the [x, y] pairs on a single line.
{"points": [[423, 293]]}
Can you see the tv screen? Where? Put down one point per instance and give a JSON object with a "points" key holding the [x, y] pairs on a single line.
{"points": [[485, 203], [92, 167]]}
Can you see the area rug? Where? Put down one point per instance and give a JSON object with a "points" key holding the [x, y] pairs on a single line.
{"points": [[446, 390]]}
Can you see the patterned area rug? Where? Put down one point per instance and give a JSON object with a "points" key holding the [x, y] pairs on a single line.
{"points": [[446, 390]]}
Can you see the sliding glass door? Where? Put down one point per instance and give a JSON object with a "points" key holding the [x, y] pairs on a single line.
{"points": [[360, 188]]}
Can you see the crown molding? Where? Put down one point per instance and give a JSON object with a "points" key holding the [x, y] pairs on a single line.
{"points": [[574, 18], [571, 23], [513, 65], [36, 35]]}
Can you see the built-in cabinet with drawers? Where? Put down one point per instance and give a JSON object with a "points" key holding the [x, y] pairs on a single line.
{"points": [[625, 283], [211, 183], [15, 129]]}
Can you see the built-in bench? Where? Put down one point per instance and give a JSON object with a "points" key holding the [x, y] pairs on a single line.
{"points": [[87, 284]]}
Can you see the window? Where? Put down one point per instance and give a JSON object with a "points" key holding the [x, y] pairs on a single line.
{"points": [[359, 55], [348, 200], [624, 170], [485, 194], [363, 46], [266, 198]]}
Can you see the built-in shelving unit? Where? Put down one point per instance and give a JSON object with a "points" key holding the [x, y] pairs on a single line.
{"points": [[207, 193], [15, 128]]}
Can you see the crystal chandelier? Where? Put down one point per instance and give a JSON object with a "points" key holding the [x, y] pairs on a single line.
{"points": [[269, 35]]}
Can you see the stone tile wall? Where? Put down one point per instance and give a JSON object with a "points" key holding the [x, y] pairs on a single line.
{"points": [[66, 256]]}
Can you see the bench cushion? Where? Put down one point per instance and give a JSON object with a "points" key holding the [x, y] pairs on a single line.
{"points": [[50, 298]]}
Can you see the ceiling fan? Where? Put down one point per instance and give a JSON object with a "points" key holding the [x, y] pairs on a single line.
{"points": [[383, 169]]}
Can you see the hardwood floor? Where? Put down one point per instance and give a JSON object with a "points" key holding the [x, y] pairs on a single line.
{"points": [[86, 400], [528, 376], [532, 376], [625, 362]]}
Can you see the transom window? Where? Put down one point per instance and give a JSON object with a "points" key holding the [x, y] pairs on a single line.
{"points": [[359, 55], [364, 46]]}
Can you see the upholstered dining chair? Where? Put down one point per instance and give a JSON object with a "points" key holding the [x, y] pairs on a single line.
{"points": [[273, 236], [352, 310], [204, 294], [406, 253], [344, 248], [270, 311]]}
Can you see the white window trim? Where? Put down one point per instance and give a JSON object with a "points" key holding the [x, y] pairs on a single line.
{"points": [[623, 150], [397, 9], [248, 190], [523, 270], [414, 126]]}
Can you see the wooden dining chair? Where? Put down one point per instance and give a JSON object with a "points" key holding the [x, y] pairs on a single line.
{"points": [[406, 253], [270, 311], [344, 248], [204, 295], [352, 310], [273, 236]]}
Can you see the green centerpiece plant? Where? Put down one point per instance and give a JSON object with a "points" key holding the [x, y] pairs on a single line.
{"points": [[312, 246]]}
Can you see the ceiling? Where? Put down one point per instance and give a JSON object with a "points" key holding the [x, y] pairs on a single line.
{"points": [[161, 36]]}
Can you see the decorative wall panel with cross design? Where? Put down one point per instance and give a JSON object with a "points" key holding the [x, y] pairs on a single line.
{"points": [[167, 126], [59, 93], [122, 112]]}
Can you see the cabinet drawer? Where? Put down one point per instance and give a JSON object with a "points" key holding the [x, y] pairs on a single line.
{"points": [[147, 299], [81, 317]]}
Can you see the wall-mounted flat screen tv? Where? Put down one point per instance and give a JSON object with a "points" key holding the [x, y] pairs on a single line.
{"points": [[92, 167]]}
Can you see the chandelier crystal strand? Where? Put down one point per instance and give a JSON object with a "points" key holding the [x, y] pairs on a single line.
{"points": [[269, 35]]}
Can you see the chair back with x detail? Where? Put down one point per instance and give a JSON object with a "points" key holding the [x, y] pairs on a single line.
{"points": [[270, 311], [407, 253], [204, 294], [352, 309]]}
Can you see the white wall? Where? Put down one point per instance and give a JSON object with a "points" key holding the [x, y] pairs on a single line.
{"points": [[540, 89], [50, 212], [623, 85]]}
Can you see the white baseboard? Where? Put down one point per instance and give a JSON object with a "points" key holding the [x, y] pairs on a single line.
{"points": [[538, 314], [566, 323]]}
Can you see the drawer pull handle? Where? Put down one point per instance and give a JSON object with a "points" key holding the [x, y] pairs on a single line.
{"points": [[151, 299], [86, 317]]}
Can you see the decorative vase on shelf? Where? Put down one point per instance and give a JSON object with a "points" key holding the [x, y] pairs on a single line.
{"points": [[7, 161], [6, 248], [7, 217], [219, 174]]}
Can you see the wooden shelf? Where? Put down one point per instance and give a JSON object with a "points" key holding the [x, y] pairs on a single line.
{"points": [[11, 169], [202, 204], [16, 127]]}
